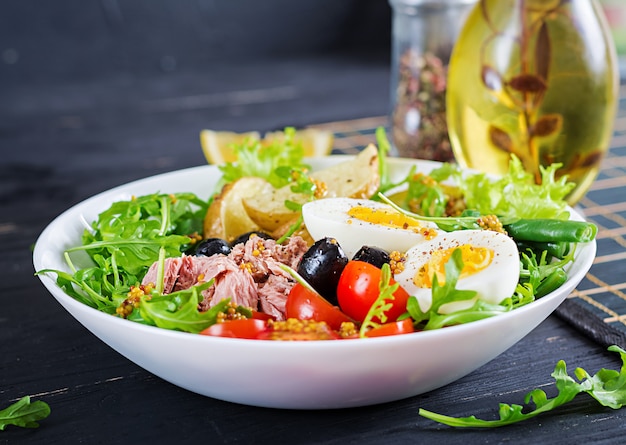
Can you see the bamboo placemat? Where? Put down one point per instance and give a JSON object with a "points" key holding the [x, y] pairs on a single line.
{"points": [[598, 306]]}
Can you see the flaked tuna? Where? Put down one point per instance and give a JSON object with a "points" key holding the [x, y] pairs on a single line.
{"points": [[250, 275]]}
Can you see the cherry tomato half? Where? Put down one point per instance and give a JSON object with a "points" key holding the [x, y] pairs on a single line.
{"points": [[262, 316], [245, 328], [358, 289], [305, 304], [394, 328]]}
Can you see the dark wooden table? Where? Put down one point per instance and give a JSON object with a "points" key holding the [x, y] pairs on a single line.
{"points": [[62, 142]]}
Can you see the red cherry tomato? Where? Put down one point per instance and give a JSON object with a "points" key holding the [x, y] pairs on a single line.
{"points": [[245, 328], [306, 304], [358, 289], [394, 328], [262, 316]]}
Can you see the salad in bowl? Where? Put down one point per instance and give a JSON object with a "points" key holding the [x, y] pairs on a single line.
{"points": [[267, 258]]}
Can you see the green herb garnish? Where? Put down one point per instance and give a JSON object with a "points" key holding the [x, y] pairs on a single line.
{"points": [[448, 293], [124, 241], [384, 147], [383, 303], [24, 413], [179, 310], [467, 221], [608, 387]]}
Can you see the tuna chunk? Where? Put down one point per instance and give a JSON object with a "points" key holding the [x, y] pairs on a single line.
{"points": [[176, 274], [250, 275], [231, 281]]}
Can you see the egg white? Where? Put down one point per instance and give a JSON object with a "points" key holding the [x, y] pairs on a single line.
{"points": [[492, 284], [329, 217]]}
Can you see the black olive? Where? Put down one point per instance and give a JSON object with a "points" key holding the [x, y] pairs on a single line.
{"points": [[372, 255], [212, 246], [246, 236], [321, 267]]}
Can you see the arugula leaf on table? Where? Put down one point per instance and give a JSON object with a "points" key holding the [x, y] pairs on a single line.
{"points": [[24, 413], [608, 387]]}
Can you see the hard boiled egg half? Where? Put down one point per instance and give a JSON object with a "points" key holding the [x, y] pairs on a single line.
{"points": [[491, 267], [358, 222]]}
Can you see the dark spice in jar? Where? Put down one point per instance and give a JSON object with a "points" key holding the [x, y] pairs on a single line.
{"points": [[419, 127]]}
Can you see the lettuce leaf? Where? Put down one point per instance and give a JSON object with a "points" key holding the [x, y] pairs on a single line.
{"points": [[516, 194], [262, 160]]}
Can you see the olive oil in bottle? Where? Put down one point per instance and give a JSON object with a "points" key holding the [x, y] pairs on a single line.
{"points": [[536, 79]]}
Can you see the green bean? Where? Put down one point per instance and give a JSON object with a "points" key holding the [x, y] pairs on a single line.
{"points": [[552, 230], [554, 250], [551, 282]]}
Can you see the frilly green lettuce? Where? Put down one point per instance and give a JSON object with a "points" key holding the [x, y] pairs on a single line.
{"points": [[516, 194]]}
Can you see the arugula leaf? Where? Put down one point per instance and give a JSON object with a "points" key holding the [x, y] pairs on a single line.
{"points": [[125, 240], [257, 159], [448, 293], [134, 232], [384, 147], [427, 194], [92, 287], [179, 310], [468, 220], [608, 387], [535, 272], [24, 413], [383, 303]]}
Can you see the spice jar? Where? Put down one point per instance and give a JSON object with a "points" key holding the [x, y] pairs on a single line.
{"points": [[423, 34]]}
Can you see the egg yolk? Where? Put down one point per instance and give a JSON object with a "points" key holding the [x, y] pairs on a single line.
{"points": [[474, 258], [389, 218]]}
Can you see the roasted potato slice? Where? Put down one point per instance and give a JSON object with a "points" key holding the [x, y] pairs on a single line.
{"points": [[273, 216], [226, 217], [355, 178]]}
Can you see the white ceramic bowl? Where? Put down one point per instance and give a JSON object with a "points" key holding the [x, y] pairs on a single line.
{"points": [[297, 375]]}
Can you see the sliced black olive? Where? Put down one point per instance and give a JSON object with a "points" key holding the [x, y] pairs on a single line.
{"points": [[321, 267], [246, 236], [372, 255], [212, 246]]}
